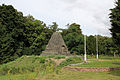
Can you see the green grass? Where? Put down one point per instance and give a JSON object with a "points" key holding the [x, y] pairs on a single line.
{"points": [[76, 75], [26, 76], [23, 65], [43, 68], [104, 61], [99, 64]]}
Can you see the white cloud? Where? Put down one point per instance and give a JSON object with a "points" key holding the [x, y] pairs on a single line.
{"points": [[92, 15]]}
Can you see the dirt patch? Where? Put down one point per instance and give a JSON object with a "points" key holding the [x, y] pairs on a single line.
{"points": [[105, 60], [91, 69], [57, 61]]}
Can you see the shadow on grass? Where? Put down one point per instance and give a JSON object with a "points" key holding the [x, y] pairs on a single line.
{"points": [[115, 73], [116, 63]]}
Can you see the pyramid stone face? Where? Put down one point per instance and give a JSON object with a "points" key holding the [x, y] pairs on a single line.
{"points": [[56, 46]]}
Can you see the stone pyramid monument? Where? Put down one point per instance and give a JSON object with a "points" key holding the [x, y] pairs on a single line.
{"points": [[56, 46]]}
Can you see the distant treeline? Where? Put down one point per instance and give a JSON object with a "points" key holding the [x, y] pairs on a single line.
{"points": [[25, 35]]}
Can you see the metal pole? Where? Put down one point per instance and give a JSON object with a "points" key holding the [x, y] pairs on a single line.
{"points": [[85, 48], [96, 47]]}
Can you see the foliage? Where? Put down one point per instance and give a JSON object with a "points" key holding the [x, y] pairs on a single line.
{"points": [[73, 38], [115, 22], [106, 46], [91, 44], [51, 67], [75, 43], [12, 36], [21, 35]]}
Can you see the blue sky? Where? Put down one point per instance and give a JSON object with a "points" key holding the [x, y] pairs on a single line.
{"points": [[92, 15]]}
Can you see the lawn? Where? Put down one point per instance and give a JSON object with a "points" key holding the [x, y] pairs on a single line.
{"points": [[25, 76], [99, 64], [76, 75], [102, 62]]}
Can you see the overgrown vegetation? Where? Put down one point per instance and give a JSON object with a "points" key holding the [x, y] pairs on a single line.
{"points": [[23, 65], [115, 22], [38, 64]]}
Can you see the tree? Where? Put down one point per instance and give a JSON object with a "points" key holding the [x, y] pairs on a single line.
{"points": [[12, 36], [91, 45], [37, 35], [21, 35], [54, 27], [115, 22], [73, 38], [74, 28]]}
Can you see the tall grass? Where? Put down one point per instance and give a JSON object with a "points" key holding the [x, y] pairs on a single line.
{"points": [[22, 65]]}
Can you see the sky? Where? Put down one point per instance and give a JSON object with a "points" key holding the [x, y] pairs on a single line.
{"points": [[92, 15]]}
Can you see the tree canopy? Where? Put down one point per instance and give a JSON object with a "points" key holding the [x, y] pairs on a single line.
{"points": [[21, 35], [115, 22]]}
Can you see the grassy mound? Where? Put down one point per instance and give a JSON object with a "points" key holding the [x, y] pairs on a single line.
{"points": [[22, 65]]}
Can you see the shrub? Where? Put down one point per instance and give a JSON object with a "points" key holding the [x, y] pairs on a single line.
{"points": [[42, 59]]}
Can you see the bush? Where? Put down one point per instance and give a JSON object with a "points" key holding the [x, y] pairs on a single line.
{"points": [[42, 59]]}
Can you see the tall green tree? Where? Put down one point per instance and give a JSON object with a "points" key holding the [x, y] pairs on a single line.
{"points": [[37, 34], [54, 27], [12, 36], [73, 38], [21, 35], [115, 22], [91, 44]]}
